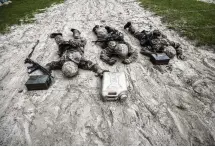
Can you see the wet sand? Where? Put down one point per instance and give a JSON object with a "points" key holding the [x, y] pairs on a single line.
{"points": [[165, 107]]}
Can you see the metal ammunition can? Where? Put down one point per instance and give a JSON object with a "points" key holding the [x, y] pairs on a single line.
{"points": [[160, 59], [114, 86], [38, 82]]}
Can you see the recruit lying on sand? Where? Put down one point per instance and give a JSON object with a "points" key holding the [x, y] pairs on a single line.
{"points": [[71, 56], [155, 42], [113, 44]]}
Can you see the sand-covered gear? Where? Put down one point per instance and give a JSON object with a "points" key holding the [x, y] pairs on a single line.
{"points": [[107, 33], [70, 69], [155, 42], [156, 33], [34, 65], [37, 82], [73, 45], [170, 52], [114, 45], [118, 49], [71, 56], [100, 31], [121, 50]]}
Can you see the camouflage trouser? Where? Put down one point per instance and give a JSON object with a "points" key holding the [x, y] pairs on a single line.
{"points": [[147, 51], [135, 33], [84, 64], [60, 41]]}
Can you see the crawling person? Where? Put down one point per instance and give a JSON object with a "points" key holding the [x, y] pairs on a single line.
{"points": [[155, 42], [71, 56], [113, 44]]}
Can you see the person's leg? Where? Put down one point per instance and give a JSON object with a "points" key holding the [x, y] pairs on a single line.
{"points": [[89, 65], [86, 64], [59, 40], [133, 31], [76, 33], [146, 51], [130, 28]]}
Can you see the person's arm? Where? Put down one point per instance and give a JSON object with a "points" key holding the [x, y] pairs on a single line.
{"points": [[106, 56], [178, 49], [89, 65], [83, 42], [110, 29], [78, 43], [114, 35], [132, 54]]}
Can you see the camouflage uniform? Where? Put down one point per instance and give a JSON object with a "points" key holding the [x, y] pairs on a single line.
{"points": [[113, 44], [72, 50], [155, 42], [107, 33]]}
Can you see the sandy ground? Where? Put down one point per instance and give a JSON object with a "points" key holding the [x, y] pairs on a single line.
{"points": [[164, 107]]}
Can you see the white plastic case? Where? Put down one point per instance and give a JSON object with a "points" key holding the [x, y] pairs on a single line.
{"points": [[114, 86]]}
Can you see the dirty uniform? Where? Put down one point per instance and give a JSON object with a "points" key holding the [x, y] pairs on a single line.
{"points": [[72, 50], [151, 43], [107, 33], [123, 50], [114, 45]]}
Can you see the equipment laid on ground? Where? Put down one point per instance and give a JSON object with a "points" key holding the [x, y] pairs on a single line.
{"points": [[35, 66], [37, 82], [114, 86], [160, 59]]}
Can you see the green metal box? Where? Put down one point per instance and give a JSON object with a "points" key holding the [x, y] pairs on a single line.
{"points": [[160, 59], [38, 82]]}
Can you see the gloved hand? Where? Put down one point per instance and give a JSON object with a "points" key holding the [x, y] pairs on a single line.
{"points": [[112, 61], [108, 28], [126, 61], [108, 38], [182, 57], [100, 73]]}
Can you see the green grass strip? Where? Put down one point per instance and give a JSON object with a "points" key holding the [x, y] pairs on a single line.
{"points": [[192, 18], [21, 10]]}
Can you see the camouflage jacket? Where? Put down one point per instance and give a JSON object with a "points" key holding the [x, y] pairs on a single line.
{"points": [[129, 55], [159, 44], [72, 49]]}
